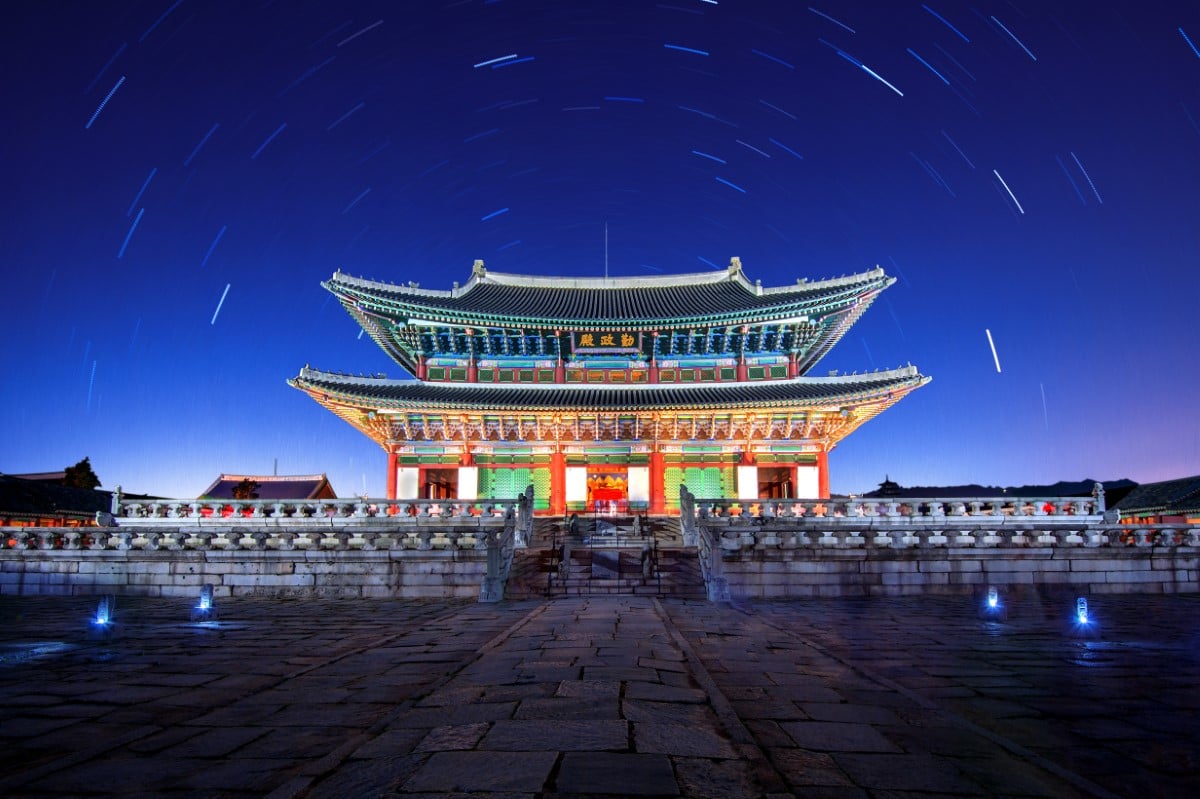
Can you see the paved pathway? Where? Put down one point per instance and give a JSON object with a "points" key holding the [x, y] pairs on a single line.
{"points": [[599, 696]]}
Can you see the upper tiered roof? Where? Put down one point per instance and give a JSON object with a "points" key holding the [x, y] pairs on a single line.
{"points": [[595, 303]]}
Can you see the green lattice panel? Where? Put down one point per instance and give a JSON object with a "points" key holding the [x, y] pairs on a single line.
{"points": [[705, 483], [728, 482], [521, 478], [502, 484], [509, 483], [541, 489], [672, 478]]}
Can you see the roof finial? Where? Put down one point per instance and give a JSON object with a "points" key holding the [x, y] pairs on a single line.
{"points": [[478, 269], [735, 265]]}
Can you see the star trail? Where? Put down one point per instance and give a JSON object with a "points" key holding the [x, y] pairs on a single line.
{"points": [[1035, 168]]}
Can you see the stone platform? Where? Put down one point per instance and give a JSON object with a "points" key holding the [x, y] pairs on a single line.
{"points": [[600, 696]]}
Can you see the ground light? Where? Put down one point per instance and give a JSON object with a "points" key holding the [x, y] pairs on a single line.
{"points": [[206, 608], [1084, 625], [104, 612], [993, 609], [102, 624]]}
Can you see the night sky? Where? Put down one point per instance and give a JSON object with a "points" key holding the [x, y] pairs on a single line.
{"points": [[180, 176]]}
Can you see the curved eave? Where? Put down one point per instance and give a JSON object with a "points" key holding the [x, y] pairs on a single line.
{"points": [[834, 332], [356, 394], [380, 330]]}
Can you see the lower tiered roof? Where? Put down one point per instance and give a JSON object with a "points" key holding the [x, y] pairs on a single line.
{"points": [[376, 393]]}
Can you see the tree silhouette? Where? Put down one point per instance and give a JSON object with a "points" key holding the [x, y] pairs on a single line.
{"points": [[246, 489], [81, 475]]}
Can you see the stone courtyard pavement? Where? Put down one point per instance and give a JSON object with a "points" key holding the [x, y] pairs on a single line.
{"points": [[600, 696]]}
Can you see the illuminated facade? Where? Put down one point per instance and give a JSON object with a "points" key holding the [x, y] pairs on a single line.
{"points": [[608, 393]]}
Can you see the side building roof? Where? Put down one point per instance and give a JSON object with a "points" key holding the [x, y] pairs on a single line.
{"points": [[282, 486], [22, 496], [1169, 497]]}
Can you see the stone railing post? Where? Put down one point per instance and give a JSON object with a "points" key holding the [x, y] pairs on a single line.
{"points": [[687, 516]]}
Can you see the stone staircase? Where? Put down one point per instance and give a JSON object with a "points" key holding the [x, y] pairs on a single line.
{"points": [[606, 557]]}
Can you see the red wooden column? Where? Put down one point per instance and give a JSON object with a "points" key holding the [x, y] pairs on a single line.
{"points": [[558, 483], [391, 476], [742, 373], [658, 488], [793, 366], [472, 370], [823, 474]]}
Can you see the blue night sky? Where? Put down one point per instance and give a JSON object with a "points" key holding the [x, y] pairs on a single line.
{"points": [[181, 175]]}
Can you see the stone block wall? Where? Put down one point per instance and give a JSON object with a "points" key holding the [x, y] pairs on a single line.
{"points": [[869, 571], [408, 574]]}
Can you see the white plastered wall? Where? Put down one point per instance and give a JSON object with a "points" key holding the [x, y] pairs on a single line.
{"points": [[807, 482], [576, 487], [747, 482], [408, 482], [639, 483], [468, 482]]}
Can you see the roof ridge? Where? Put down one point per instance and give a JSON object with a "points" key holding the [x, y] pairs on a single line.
{"points": [[732, 274]]}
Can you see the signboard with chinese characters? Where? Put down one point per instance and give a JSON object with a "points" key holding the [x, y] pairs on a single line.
{"points": [[606, 342]]}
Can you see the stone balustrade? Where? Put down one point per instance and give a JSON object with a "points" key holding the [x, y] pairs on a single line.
{"points": [[243, 539], [324, 512], [733, 537], [800, 548], [335, 548], [911, 511]]}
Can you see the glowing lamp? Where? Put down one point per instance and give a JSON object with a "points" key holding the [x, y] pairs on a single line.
{"points": [[102, 623], [205, 609], [992, 608], [1081, 610]]}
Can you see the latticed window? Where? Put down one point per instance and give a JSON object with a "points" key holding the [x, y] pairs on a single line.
{"points": [[541, 488], [672, 479]]}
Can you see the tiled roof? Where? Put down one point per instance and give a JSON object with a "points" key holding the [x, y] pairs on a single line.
{"points": [[31, 497], [383, 393], [702, 298], [304, 486], [1182, 495]]}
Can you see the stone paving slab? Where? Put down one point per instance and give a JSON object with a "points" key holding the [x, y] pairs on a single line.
{"points": [[598, 697]]}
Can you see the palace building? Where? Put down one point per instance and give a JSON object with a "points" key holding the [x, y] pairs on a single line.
{"points": [[608, 393]]}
